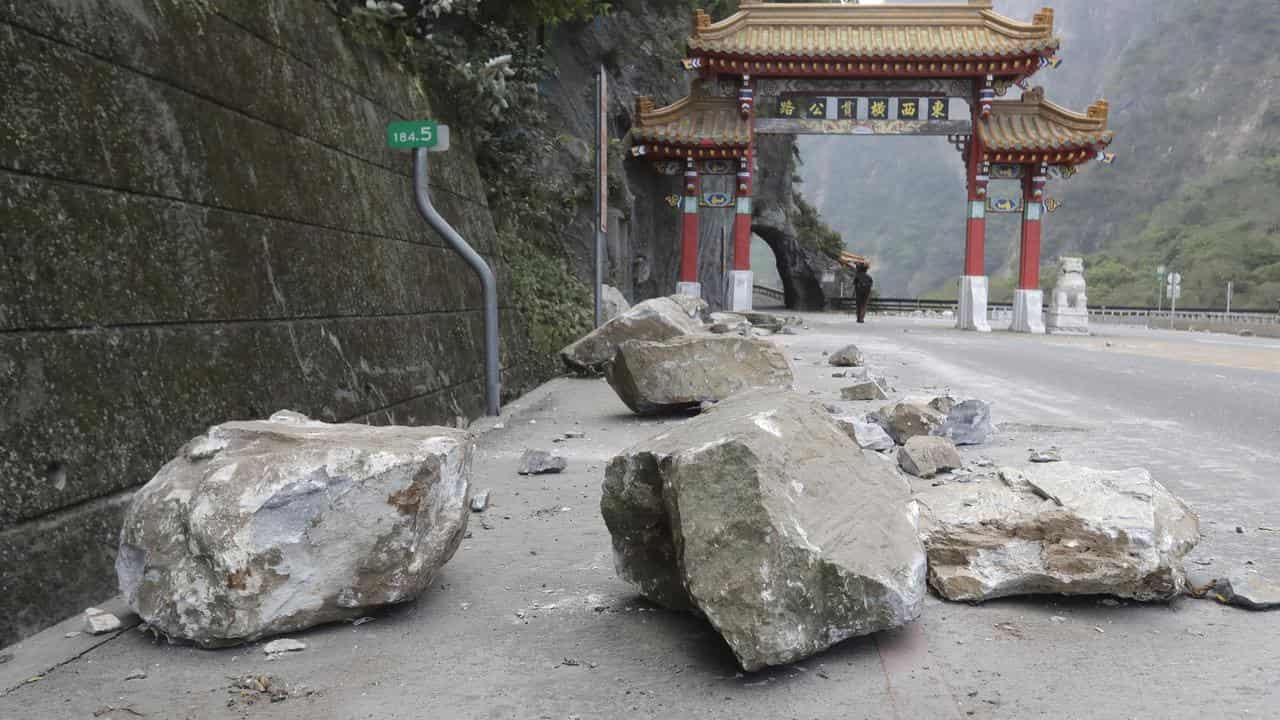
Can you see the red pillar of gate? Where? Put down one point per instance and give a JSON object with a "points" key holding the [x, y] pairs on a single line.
{"points": [[742, 221], [689, 228], [975, 240], [1033, 182]]}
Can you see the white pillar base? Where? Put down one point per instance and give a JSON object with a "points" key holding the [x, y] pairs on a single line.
{"points": [[743, 289], [693, 290], [973, 304], [1028, 312]]}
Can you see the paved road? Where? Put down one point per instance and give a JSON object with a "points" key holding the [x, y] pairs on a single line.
{"points": [[528, 621]]}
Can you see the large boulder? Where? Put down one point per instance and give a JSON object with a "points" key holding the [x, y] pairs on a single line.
{"points": [[904, 421], [1057, 529], [684, 372], [761, 515], [657, 319], [267, 527]]}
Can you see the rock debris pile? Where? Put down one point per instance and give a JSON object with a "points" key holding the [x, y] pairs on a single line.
{"points": [[788, 526]]}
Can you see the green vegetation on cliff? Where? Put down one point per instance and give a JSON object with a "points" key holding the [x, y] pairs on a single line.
{"points": [[482, 71], [1192, 86]]}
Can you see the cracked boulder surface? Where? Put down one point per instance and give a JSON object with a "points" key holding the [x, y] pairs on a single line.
{"points": [[266, 527], [762, 515], [1057, 529], [657, 319], [682, 373]]}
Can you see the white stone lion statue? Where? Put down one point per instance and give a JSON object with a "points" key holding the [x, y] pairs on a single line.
{"points": [[1069, 306]]}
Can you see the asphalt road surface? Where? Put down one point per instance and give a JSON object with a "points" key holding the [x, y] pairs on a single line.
{"points": [[529, 621]]}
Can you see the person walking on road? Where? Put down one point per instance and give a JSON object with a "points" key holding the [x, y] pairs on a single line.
{"points": [[862, 284]]}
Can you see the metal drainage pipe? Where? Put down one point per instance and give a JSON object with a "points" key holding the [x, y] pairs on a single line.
{"points": [[492, 386]]}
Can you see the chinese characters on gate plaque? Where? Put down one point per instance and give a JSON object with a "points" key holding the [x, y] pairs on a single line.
{"points": [[797, 107]]}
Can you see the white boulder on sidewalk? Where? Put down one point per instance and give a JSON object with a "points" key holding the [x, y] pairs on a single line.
{"points": [[267, 527]]}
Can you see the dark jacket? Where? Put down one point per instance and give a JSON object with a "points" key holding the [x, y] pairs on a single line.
{"points": [[862, 284]]}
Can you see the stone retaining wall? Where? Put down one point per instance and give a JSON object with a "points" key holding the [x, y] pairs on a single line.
{"points": [[201, 222]]}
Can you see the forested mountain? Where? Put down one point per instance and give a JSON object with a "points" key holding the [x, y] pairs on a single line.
{"points": [[1193, 88]]}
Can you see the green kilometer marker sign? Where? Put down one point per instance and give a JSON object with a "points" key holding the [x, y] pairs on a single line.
{"points": [[415, 134]]}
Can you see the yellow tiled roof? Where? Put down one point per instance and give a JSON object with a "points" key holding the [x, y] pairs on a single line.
{"points": [[1035, 124], [696, 120], [837, 31]]}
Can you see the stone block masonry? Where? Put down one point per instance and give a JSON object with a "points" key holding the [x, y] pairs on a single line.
{"points": [[201, 223]]}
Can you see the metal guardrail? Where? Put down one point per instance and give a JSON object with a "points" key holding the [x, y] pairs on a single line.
{"points": [[900, 305], [771, 293]]}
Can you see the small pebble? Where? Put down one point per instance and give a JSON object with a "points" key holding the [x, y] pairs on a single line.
{"points": [[284, 645]]}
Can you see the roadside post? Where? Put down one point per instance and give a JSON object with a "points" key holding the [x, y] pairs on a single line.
{"points": [[602, 188], [1161, 273], [1174, 287], [424, 137]]}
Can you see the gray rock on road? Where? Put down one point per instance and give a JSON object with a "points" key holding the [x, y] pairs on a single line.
{"points": [[966, 423], [541, 462], [926, 456], [868, 435], [763, 517], [865, 390], [904, 421], [657, 319], [1248, 590], [100, 622], [267, 527], [1057, 529], [848, 356], [683, 373]]}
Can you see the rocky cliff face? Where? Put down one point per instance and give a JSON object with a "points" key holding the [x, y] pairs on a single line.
{"points": [[1192, 86], [640, 45]]}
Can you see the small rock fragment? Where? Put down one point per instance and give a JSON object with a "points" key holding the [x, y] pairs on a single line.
{"points": [[866, 390], [98, 622], [966, 423], [283, 645], [943, 403], [1248, 590], [480, 501], [904, 421], [540, 462], [574, 434], [848, 356], [73, 633], [868, 435], [136, 675], [362, 621], [1052, 455]]}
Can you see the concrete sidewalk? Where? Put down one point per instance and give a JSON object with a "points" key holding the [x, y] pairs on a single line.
{"points": [[529, 621]]}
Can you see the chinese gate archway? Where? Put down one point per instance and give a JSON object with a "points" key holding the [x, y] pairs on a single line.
{"points": [[836, 69]]}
